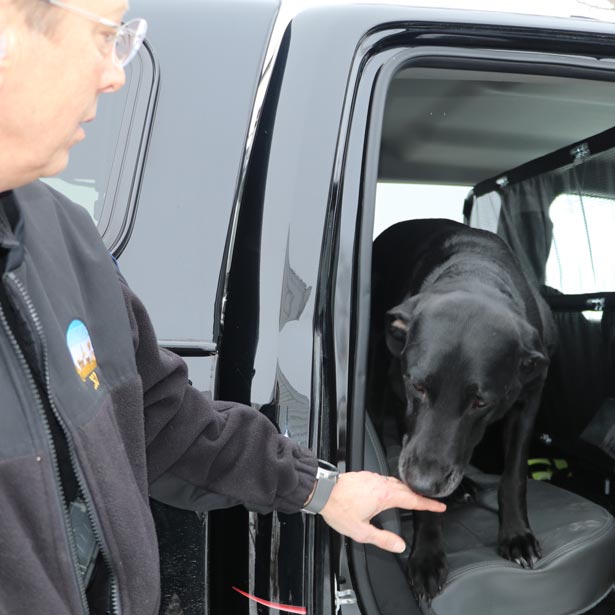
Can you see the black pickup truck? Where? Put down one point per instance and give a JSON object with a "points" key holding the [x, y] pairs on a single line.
{"points": [[240, 177]]}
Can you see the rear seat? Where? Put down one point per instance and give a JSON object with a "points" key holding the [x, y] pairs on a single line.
{"points": [[578, 407]]}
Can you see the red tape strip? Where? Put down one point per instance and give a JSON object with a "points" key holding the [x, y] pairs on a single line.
{"points": [[273, 605]]}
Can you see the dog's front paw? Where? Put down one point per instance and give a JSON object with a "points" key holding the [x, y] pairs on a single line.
{"points": [[427, 572], [522, 548]]}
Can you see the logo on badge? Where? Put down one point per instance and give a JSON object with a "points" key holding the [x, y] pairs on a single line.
{"points": [[81, 350]]}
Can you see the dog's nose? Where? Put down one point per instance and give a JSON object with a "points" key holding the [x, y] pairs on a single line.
{"points": [[423, 483], [431, 481]]}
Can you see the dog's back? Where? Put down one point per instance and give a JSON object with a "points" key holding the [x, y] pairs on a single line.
{"points": [[413, 254]]}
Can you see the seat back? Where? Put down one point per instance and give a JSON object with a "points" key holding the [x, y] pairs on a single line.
{"points": [[580, 384], [375, 460]]}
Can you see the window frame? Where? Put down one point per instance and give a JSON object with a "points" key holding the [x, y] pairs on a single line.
{"points": [[122, 184], [357, 220]]}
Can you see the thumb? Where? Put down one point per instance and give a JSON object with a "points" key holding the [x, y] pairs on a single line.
{"points": [[389, 541]]}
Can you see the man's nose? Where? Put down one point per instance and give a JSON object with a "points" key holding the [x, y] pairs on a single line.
{"points": [[113, 78]]}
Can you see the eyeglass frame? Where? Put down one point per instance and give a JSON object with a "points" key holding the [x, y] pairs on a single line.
{"points": [[103, 21]]}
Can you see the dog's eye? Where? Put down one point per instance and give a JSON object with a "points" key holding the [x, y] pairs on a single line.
{"points": [[479, 403]]}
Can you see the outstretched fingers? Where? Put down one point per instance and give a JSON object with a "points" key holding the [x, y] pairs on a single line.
{"points": [[401, 496], [383, 539], [359, 496]]}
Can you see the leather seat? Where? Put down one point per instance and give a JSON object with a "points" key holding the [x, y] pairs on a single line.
{"points": [[576, 572]]}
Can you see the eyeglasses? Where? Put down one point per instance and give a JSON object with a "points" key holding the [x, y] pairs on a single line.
{"points": [[128, 36]]}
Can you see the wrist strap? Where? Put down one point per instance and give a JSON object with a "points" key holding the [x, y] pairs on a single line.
{"points": [[326, 477]]}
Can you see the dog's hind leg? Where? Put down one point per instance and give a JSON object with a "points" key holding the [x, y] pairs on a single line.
{"points": [[516, 542], [427, 564]]}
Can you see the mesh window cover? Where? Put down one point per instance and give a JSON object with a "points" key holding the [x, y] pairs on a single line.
{"points": [[560, 222]]}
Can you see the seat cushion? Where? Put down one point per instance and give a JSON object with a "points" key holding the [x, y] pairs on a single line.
{"points": [[576, 571]]}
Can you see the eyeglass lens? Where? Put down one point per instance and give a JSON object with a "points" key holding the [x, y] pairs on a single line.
{"points": [[129, 39]]}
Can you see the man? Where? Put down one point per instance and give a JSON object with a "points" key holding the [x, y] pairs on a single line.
{"points": [[92, 411]]}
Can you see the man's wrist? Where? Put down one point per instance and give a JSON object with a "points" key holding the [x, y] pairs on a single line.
{"points": [[326, 477]]}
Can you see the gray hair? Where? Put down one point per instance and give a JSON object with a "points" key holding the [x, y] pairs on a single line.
{"points": [[38, 13]]}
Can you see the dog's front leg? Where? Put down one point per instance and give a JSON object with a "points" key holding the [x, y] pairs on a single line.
{"points": [[427, 565], [516, 541]]}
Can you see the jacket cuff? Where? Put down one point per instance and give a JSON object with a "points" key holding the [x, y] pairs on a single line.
{"points": [[305, 468]]}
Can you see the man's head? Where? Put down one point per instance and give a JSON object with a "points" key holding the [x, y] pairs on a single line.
{"points": [[56, 58]]}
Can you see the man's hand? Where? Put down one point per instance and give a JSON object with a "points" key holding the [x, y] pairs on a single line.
{"points": [[359, 496]]}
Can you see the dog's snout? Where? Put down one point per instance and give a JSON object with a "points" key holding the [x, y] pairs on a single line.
{"points": [[429, 477]]}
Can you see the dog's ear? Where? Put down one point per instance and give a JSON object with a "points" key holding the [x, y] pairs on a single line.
{"points": [[397, 327], [532, 364], [534, 360]]}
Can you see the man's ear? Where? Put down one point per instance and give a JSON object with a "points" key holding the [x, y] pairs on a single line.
{"points": [[397, 328]]}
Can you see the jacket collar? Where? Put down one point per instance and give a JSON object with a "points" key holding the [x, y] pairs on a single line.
{"points": [[11, 231]]}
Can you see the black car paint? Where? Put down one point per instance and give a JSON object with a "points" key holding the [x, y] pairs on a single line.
{"points": [[249, 244]]}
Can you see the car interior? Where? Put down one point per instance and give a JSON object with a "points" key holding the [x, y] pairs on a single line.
{"points": [[526, 154]]}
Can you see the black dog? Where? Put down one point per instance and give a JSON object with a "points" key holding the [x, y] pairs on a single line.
{"points": [[468, 343]]}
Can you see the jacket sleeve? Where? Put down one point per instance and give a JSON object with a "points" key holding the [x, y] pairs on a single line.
{"points": [[198, 448]]}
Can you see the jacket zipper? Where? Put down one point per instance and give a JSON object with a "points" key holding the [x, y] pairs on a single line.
{"points": [[54, 461], [115, 601]]}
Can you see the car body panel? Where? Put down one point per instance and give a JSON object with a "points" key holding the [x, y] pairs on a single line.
{"points": [[244, 244]]}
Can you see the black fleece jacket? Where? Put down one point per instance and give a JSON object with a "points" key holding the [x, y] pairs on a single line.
{"points": [[130, 417]]}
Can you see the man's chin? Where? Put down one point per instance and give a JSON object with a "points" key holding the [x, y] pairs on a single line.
{"points": [[56, 165], [34, 169], [80, 136]]}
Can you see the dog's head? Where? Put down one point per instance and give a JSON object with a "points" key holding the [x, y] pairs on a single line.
{"points": [[463, 363]]}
